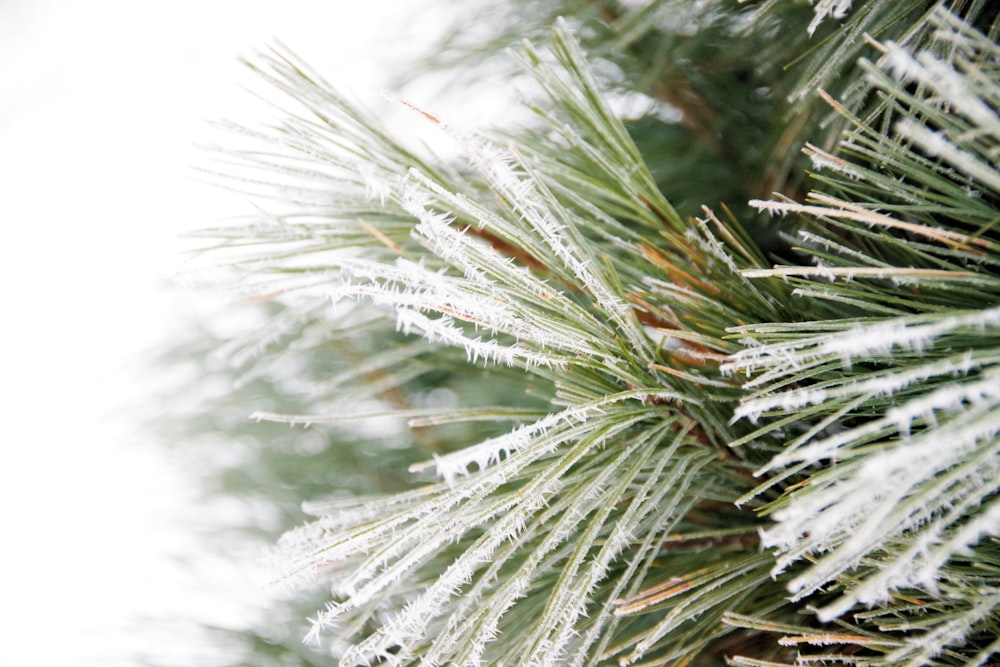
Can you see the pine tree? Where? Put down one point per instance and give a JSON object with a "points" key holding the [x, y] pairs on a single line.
{"points": [[701, 363]]}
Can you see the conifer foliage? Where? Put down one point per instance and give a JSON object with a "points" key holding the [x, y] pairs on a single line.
{"points": [[715, 381]]}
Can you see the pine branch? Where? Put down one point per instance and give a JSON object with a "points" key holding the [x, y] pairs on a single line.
{"points": [[889, 508], [714, 445]]}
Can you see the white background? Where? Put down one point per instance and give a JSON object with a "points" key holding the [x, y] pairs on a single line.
{"points": [[101, 104]]}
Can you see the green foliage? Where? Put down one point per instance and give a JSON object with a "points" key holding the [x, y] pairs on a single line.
{"points": [[642, 431]]}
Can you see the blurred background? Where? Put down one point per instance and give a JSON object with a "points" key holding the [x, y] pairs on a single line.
{"points": [[102, 107]]}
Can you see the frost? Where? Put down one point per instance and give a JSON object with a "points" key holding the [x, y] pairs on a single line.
{"points": [[908, 485], [937, 144], [663, 338], [838, 9], [951, 85], [882, 338], [514, 180], [912, 335], [923, 647], [821, 159], [444, 330], [563, 425], [881, 385], [377, 186], [410, 624]]}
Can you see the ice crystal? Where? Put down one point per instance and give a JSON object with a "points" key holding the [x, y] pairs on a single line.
{"points": [[838, 9]]}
